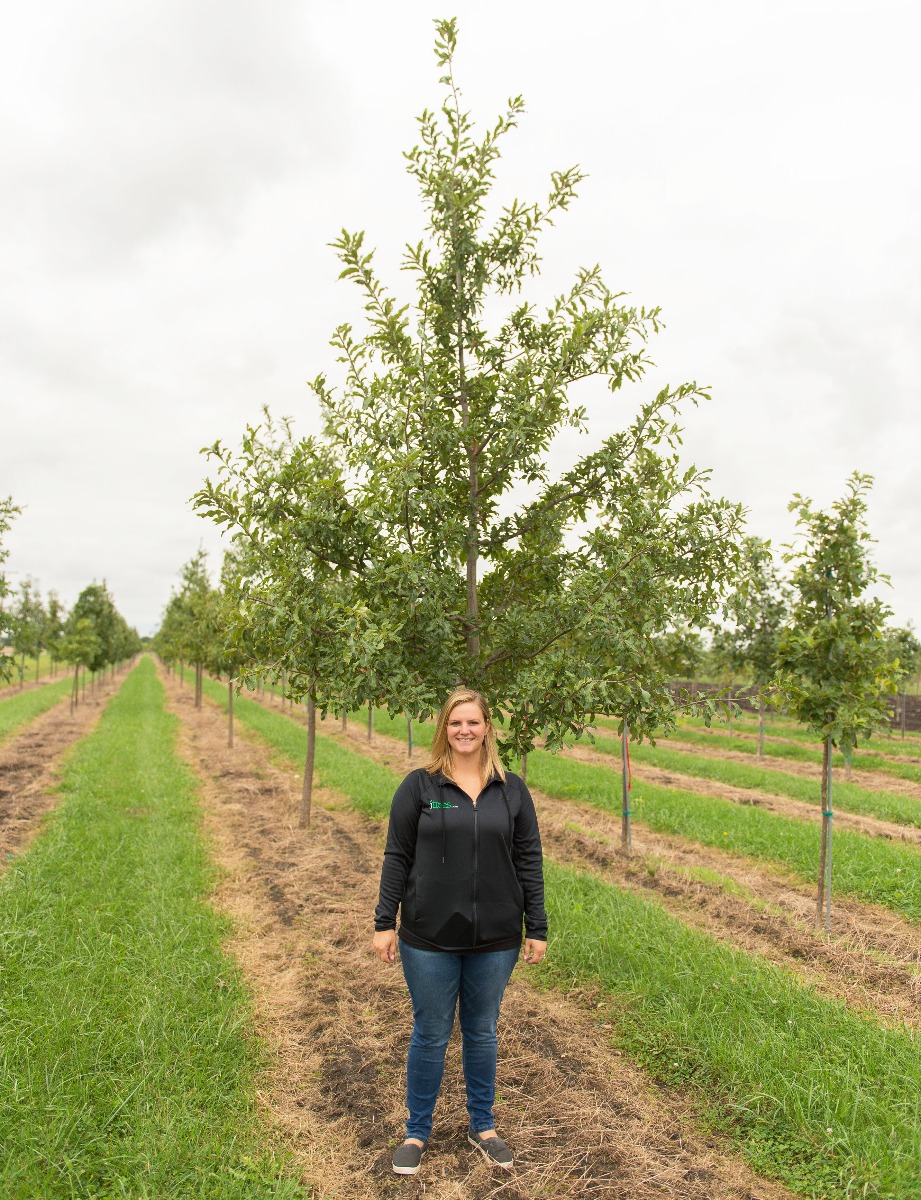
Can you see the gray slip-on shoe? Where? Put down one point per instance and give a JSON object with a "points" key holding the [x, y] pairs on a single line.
{"points": [[406, 1158], [494, 1148]]}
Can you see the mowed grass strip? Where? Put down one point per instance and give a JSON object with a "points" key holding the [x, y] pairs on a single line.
{"points": [[888, 806], [863, 760], [127, 1067], [369, 785], [747, 729], [19, 709], [811, 1093]]}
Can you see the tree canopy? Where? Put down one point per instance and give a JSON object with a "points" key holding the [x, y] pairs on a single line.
{"points": [[426, 538]]}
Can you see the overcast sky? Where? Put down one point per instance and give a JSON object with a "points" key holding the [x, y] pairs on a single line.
{"points": [[172, 171]]}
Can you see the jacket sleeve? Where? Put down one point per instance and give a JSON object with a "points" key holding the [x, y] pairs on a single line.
{"points": [[400, 851], [528, 858]]}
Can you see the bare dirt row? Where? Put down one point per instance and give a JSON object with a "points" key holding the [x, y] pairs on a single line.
{"points": [[583, 1121], [30, 763]]}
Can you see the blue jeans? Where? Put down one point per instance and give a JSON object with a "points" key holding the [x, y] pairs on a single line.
{"points": [[437, 980]]}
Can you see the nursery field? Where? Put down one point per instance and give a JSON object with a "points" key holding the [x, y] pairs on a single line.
{"points": [[740, 876], [223, 1029]]}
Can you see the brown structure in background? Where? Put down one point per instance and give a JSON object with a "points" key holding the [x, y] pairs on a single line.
{"points": [[743, 697]]}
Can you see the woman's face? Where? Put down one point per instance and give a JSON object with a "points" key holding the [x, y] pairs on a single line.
{"points": [[466, 730]]}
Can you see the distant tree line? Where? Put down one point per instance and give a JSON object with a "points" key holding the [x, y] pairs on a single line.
{"points": [[92, 637]]}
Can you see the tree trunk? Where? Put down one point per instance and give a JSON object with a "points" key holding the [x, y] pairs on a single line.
{"points": [[307, 790], [345, 720], [730, 708], [824, 895], [903, 716], [370, 722], [473, 513], [83, 689], [625, 839], [181, 674], [74, 690], [761, 727], [409, 737], [524, 768], [230, 711]]}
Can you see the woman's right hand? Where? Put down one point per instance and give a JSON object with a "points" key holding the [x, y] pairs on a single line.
{"points": [[385, 945]]}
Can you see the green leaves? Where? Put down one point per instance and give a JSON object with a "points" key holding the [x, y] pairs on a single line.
{"points": [[8, 512], [835, 666], [756, 611], [96, 635], [427, 538]]}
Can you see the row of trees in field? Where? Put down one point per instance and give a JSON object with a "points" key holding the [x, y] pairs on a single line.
{"points": [[92, 637], [425, 539]]}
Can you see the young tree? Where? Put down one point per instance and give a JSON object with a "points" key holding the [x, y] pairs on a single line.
{"points": [[834, 664], [8, 512], [27, 625], [292, 610], [446, 422], [189, 631], [81, 646], [55, 617], [756, 610], [96, 635]]}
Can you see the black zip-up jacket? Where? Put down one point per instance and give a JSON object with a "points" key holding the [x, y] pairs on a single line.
{"points": [[463, 875]]}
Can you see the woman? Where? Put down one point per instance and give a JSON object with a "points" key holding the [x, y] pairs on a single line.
{"points": [[463, 864]]}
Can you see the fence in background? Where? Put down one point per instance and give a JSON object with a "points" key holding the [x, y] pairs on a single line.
{"points": [[745, 698]]}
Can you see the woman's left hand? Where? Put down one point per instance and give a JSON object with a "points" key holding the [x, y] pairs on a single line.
{"points": [[534, 950]]}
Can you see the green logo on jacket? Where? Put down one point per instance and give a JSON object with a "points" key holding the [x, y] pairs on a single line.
{"points": [[443, 804]]}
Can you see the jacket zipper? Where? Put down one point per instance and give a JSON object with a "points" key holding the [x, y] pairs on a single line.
{"points": [[476, 877]]}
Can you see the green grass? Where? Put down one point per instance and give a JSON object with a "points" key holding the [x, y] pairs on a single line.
{"points": [[800, 752], [810, 1092], [370, 785], [851, 797], [868, 869], [747, 729], [22, 707], [127, 1065]]}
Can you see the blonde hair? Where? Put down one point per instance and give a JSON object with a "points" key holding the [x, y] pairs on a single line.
{"points": [[442, 759]]}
